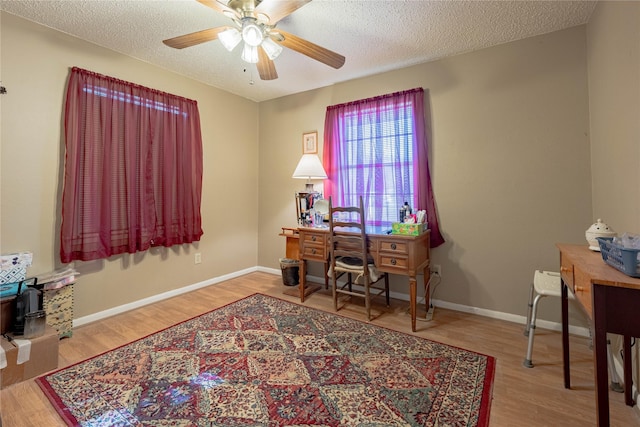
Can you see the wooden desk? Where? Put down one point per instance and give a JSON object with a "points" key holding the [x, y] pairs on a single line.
{"points": [[392, 253], [611, 300]]}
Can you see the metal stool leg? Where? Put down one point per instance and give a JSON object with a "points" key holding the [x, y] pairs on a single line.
{"points": [[615, 381], [532, 331], [529, 308]]}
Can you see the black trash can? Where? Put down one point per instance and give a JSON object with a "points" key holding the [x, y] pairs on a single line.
{"points": [[290, 271]]}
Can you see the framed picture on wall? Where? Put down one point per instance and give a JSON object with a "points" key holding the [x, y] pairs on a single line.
{"points": [[310, 142]]}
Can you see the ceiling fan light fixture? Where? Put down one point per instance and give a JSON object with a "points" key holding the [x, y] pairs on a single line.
{"points": [[250, 54], [230, 38], [254, 24], [252, 34], [271, 48]]}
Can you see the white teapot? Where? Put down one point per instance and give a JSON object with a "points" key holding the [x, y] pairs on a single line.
{"points": [[599, 229]]}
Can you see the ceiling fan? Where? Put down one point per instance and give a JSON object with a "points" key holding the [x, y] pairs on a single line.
{"points": [[255, 22]]}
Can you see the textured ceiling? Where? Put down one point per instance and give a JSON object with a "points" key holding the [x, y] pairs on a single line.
{"points": [[374, 35]]}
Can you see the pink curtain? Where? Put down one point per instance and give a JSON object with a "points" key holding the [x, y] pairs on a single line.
{"points": [[133, 168], [378, 148]]}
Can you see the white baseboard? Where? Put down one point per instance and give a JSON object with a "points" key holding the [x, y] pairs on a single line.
{"points": [[159, 297], [581, 331], [545, 324]]}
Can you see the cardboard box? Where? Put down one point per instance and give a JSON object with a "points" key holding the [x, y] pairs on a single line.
{"points": [[43, 358], [408, 229]]}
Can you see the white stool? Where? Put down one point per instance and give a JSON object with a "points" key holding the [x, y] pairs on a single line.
{"points": [[545, 284], [549, 283]]}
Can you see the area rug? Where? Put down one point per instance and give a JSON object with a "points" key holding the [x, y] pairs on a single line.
{"points": [[263, 361]]}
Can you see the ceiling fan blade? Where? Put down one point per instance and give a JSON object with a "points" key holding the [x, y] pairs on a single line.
{"points": [[193, 39], [278, 9], [217, 6], [311, 50], [266, 67]]}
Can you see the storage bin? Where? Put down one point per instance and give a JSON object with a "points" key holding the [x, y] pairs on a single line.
{"points": [[290, 271], [9, 289], [623, 259], [58, 303], [34, 324]]}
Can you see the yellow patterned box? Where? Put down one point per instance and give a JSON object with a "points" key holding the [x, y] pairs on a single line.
{"points": [[58, 304], [408, 229]]}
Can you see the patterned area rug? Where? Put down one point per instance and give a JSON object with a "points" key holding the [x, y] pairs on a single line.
{"points": [[262, 361]]}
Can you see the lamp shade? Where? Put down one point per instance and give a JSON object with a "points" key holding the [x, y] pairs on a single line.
{"points": [[309, 167], [251, 33], [230, 38], [250, 54], [271, 48]]}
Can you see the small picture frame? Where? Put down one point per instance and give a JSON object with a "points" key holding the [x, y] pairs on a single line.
{"points": [[310, 142]]}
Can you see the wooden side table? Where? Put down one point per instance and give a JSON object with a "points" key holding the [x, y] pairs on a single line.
{"points": [[611, 300]]}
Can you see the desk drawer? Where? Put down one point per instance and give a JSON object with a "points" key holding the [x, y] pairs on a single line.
{"points": [[314, 239], [582, 290], [314, 246], [390, 262], [314, 253], [393, 255], [566, 271], [391, 247]]}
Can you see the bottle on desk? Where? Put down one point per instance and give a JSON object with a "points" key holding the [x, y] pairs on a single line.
{"points": [[405, 211]]}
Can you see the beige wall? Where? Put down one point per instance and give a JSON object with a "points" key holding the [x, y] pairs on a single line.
{"points": [[510, 160], [613, 40], [509, 157], [35, 66], [614, 101]]}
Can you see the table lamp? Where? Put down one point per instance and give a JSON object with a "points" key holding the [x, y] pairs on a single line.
{"points": [[309, 167]]}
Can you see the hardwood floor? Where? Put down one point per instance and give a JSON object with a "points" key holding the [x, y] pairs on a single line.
{"points": [[521, 397]]}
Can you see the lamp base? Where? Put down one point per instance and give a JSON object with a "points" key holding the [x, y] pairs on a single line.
{"points": [[308, 187]]}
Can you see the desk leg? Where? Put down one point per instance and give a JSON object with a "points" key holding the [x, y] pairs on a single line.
{"points": [[304, 289], [565, 335], [326, 275], [302, 279], [600, 353], [413, 287]]}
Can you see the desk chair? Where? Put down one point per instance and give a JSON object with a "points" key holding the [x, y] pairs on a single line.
{"points": [[549, 283], [349, 255]]}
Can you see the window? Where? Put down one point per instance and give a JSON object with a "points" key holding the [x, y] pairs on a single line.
{"points": [[377, 148], [133, 169]]}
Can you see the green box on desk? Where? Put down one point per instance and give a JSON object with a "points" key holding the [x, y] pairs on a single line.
{"points": [[408, 229]]}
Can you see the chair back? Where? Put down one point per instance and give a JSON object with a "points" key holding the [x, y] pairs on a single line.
{"points": [[347, 235]]}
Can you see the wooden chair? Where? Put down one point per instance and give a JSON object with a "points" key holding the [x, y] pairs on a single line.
{"points": [[349, 255]]}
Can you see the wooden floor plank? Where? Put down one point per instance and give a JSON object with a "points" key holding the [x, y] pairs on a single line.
{"points": [[522, 397]]}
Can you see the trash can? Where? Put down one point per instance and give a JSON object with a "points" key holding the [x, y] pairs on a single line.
{"points": [[290, 271]]}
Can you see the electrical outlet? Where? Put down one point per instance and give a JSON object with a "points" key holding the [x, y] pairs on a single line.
{"points": [[435, 269], [198, 259]]}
